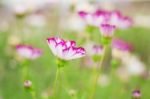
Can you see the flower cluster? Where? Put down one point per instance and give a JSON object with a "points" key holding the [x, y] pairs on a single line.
{"points": [[65, 50], [28, 52], [106, 17]]}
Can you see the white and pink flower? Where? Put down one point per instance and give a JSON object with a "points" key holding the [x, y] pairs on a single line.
{"points": [[98, 50], [28, 52], [121, 45], [93, 49], [82, 14], [120, 48], [65, 50], [124, 23], [107, 30], [106, 17], [93, 19]]}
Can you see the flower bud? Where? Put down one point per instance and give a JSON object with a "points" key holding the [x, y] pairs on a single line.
{"points": [[27, 84]]}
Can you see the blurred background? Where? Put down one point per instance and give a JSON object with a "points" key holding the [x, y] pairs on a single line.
{"points": [[33, 21]]}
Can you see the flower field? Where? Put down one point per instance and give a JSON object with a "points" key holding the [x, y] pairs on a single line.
{"points": [[57, 50]]}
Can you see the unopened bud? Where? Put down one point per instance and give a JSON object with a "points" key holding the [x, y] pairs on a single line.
{"points": [[27, 84]]}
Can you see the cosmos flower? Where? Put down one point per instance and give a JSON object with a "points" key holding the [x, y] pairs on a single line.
{"points": [[28, 52], [107, 30], [120, 21], [82, 14], [93, 49], [87, 17], [106, 17], [97, 50], [93, 19], [65, 50], [121, 45], [93, 54], [136, 94], [124, 23], [120, 48]]}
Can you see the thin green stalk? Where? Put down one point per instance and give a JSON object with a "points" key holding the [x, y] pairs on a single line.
{"points": [[26, 76], [56, 80], [96, 75], [33, 94], [66, 85]]}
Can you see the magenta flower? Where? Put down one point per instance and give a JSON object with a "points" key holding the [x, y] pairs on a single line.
{"points": [[106, 17], [115, 17], [28, 51], [136, 94], [102, 14], [87, 17], [65, 50], [98, 50], [107, 30], [93, 19], [82, 14], [120, 21], [121, 45], [125, 22]]}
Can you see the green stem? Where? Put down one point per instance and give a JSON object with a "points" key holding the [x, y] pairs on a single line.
{"points": [[26, 76], [33, 94], [56, 80], [96, 75], [65, 84]]}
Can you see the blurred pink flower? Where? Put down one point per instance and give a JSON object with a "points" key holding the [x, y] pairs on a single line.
{"points": [[124, 23], [28, 51], [120, 21], [121, 45], [136, 94], [97, 50], [93, 19], [93, 49], [65, 50], [107, 30], [82, 14], [106, 17]]}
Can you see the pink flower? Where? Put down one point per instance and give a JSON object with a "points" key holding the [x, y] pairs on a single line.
{"points": [[107, 30], [106, 17], [88, 18], [94, 19], [28, 51], [136, 94], [121, 45], [65, 50], [97, 50], [82, 14], [120, 21], [125, 22], [115, 17]]}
